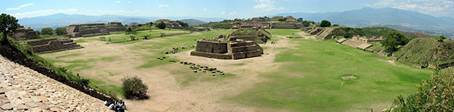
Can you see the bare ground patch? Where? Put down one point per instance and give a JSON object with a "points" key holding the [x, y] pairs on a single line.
{"points": [[165, 91]]}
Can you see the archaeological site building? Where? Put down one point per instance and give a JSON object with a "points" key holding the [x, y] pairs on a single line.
{"points": [[94, 29], [252, 34], [52, 45], [23, 33], [227, 48]]}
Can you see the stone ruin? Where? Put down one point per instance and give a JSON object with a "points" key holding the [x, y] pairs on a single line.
{"points": [[52, 45], [360, 42], [231, 48], [252, 34], [94, 29], [23, 33], [170, 24], [253, 24]]}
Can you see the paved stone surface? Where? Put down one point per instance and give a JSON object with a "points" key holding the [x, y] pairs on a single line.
{"points": [[22, 89]]}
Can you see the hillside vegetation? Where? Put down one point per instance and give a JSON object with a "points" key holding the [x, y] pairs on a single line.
{"points": [[349, 32], [434, 95], [426, 52]]}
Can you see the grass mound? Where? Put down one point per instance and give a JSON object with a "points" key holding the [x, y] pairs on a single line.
{"points": [[426, 52]]}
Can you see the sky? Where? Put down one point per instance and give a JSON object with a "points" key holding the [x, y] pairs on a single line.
{"points": [[212, 8]]}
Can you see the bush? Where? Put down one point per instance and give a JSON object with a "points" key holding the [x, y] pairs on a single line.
{"points": [[325, 23], [441, 38], [60, 31], [434, 95], [393, 41], [134, 88], [161, 25], [47, 31]]}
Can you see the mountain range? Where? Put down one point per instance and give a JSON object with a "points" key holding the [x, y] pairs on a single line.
{"points": [[60, 20], [395, 18], [404, 20]]}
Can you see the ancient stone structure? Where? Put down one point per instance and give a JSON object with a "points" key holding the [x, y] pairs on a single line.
{"points": [[170, 23], [22, 33], [22, 89], [94, 29], [287, 25], [252, 24], [252, 34], [360, 42], [231, 48], [52, 45]]}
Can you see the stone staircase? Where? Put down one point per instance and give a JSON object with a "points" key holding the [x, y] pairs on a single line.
{"points": [[22, 89]]}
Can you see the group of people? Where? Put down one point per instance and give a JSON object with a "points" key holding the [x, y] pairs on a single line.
{"points": [[117, 106]]}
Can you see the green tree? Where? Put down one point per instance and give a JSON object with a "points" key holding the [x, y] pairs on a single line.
{"points": [[134, 88], [307, 23], [392, 41], [300, 20], [60, 31], [8, 24], [47, 31], [161, 25], [130, 30], [325, 23], [441, 38], [150, 23]]}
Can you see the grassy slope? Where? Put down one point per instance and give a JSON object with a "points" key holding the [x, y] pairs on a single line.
{"points": [[423, 51], [310, 80]]}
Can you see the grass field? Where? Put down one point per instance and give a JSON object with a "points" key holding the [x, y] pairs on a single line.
{"points": [[311, 80], [311, 75]]}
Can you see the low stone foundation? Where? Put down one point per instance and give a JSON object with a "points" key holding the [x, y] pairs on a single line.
{"points": [[52, 45], [236, 49]]}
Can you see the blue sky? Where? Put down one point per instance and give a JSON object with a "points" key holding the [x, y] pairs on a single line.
{"points": [[211, 8]]}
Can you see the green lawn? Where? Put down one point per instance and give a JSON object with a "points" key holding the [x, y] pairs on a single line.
{"points": [[311, 80], [156, 49]]}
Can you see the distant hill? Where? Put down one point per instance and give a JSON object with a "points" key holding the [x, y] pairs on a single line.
{"points": [[193, 22], [390, 17], [59, 20]]}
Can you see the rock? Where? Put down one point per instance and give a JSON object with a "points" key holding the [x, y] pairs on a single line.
{"points": [[7, 106], [2, 91]]}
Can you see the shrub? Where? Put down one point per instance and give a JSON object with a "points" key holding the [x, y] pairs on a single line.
{"points": [[47, 31], [393, 41], [161, 25], [307, 23], [434, 95], [134, 88], [441, 38], [130, 30], [60, 31], [325, 23]]}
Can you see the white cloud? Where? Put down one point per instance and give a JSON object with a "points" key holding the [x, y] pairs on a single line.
{"points": [[163, 6], [44, 12], [433, 7], [20, 7], [267, 5], [118, 1]]}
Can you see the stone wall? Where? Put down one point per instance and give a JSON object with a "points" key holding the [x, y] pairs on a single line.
{"points": [[25, 33], [52, 45], [235, 49], [83, 30], [22, 89], [287, 25]]}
